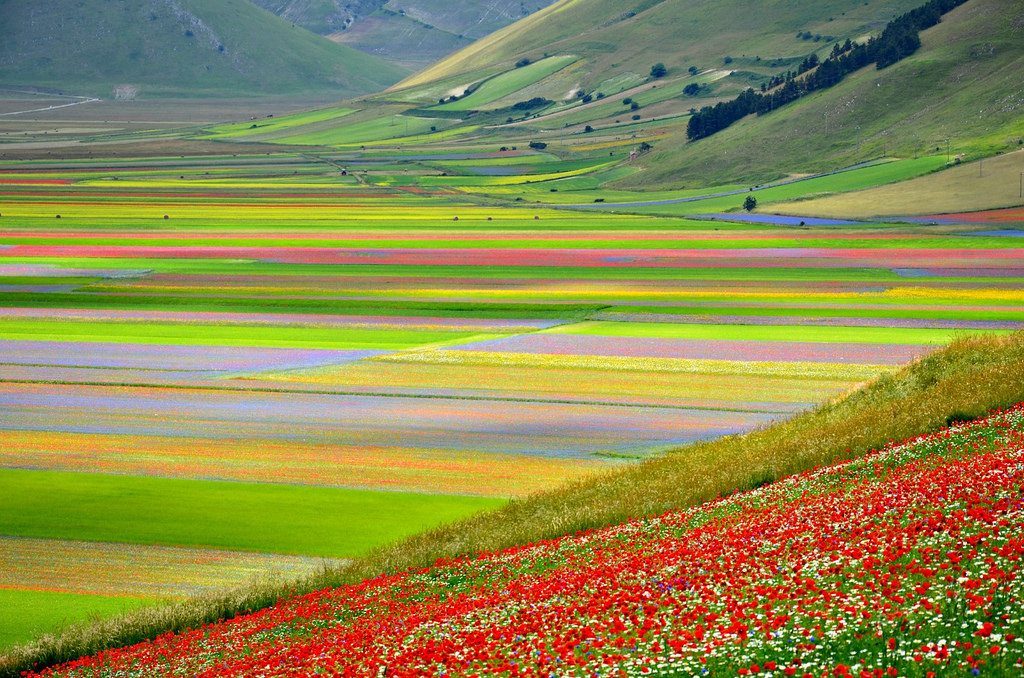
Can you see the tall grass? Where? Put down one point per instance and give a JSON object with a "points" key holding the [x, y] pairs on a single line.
{"points": [[963, 381]]}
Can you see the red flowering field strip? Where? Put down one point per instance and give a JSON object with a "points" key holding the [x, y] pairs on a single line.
{"points": [[904, 562]]}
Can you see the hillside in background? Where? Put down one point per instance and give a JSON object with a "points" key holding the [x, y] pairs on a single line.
{"points": [[964, 86], [616, 38], [412, 33], [567, 70], [175, 48], [591, 95]]}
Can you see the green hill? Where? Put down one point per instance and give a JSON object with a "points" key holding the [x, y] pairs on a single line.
{"points": [[188, 48], [964, 85], [617, 39], [577, 77], [573, 64], [413, 33]]}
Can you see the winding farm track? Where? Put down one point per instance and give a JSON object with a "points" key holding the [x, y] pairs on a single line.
{"points": [[78, 101]]}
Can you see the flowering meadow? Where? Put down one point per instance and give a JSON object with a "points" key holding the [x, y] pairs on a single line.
{"points": [[905, 562]]}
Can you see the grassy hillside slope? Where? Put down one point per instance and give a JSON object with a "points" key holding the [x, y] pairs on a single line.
{"points": [[991, 183], [964, 85], [175, 47], [321, 16], [413, 33], [964, 381], [615, 37]]}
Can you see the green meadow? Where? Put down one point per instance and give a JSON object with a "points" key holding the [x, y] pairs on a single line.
{"points": [[266, 126], [505, 84], [866, 335], [314, 521], [30, 614], [372, 130], [225, 335]]}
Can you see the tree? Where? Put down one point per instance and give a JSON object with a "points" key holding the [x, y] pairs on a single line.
{"points": [[658, 70], [750, 204]]}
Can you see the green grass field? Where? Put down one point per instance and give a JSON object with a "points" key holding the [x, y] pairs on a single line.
{"points": [[226, 335], [989, 183], [868, 335], [240, 130], [328, 522], [30, 614], [505, 84], [377, 129]]}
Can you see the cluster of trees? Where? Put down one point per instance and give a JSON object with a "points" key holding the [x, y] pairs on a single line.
{"points": [[817, 37], [586, 97], [898, 40], [807, 65], [535, 102]]}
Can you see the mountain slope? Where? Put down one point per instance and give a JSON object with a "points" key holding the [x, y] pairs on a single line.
{"points": [[963, 85], [175, 47], [413, 33], [615, 37]]}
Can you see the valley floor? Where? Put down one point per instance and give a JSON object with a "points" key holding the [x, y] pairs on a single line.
{"points": [[264, 354]]}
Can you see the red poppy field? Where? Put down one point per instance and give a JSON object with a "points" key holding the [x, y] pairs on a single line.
{"points": [[905, 562]]}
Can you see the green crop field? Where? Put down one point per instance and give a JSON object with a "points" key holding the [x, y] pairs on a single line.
{"points": [[505, 84], [869, 335], [326, 522], [374, 130], [191, 334], [244, 129], [29, 614]]}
